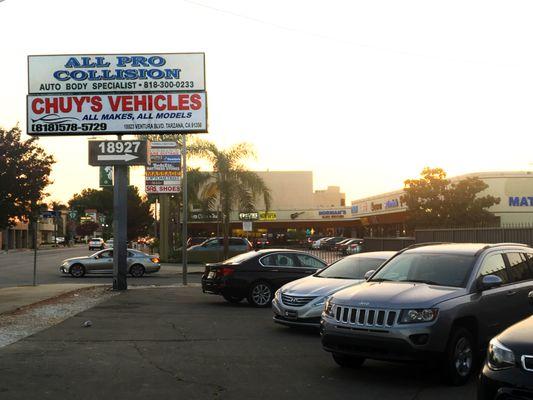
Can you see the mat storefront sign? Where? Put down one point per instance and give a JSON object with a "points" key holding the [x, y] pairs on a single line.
{"points": [[117, 113], [101, 73]]}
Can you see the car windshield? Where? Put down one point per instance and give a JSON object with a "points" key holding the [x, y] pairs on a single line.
{"points": [[351, 268], [239, 259], [434, 269]]}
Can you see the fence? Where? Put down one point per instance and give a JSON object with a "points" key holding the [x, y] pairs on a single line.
{"points": [[386, 244], [477, 235]]}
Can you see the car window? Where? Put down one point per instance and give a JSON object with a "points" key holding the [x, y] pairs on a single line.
{"points": [[518, 269], [279, 260], [106, 254], [131, 254], [309, 262], [431, 268], [494, 265], [212, 243], [351, 268], [236, 242]]}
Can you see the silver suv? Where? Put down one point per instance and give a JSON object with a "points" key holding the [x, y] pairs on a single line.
{"points": [[431, 302]]}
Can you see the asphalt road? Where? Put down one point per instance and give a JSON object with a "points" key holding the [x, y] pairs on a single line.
{"points": [[179, 343], [16, 268]]}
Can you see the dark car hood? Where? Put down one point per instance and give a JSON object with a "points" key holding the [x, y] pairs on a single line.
{"points": [[519, 337], [395, 295]]}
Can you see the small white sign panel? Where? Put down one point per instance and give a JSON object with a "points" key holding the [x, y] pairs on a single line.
{"points": [[104, 73]]}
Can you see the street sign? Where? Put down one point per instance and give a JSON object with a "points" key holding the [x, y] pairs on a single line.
{"points": [[117, 152], [72, 214], [106, 176]]}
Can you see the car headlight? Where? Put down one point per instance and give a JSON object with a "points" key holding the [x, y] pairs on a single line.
{"points": [[418, 315], [320, 301], [328, 307], [277, 295], [499, 357]]}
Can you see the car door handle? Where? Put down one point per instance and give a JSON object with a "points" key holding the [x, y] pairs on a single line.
{"points": [[511, 292]]}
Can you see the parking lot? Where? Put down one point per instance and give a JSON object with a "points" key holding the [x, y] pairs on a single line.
{"points": [[170, 342]]}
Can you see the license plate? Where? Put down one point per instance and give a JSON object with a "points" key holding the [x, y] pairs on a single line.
{"points": [[211, 275], [289, 314]]}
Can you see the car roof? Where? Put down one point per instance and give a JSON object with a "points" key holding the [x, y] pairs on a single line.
{"points": [[458, 248]]}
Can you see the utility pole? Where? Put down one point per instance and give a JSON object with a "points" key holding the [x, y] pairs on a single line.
{"points": [[35, 226], [185, 208]]}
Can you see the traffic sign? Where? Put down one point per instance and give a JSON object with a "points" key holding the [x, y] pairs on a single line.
{"points": [[117, 152]]}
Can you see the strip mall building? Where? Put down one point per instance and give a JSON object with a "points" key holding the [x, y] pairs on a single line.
{"points": [[297, 210]]}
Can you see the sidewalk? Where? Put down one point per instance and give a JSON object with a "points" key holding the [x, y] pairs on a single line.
{"points": [[191, 268], [13, 298]]}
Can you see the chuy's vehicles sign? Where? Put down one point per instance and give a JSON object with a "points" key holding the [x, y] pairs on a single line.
{"points": [[106, 73], [116, 113]]}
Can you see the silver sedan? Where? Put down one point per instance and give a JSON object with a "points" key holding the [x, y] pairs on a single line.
{"points": [[300, 302], [101, 262]]}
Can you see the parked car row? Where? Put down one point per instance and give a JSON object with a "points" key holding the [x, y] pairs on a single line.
{"points": [[443, 303], [339, 244]]}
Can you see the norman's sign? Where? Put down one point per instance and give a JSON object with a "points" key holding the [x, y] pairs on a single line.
{"points": [[332, 213]]}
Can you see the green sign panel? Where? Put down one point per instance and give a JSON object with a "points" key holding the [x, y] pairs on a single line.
{"points": [[106, 176]]}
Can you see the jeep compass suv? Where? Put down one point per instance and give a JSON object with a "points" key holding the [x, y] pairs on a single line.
{"points": [[431, 302]]}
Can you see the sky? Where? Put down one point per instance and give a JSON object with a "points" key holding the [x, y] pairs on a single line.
{"points": [[363, 93]]}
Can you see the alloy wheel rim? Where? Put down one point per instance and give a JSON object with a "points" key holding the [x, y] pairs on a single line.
{"points": [[136, 271], [76, 270], [261, 294], [463, 357]]}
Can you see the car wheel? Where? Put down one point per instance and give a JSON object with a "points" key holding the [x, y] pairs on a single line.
{"points": [[260, 294], [348, 361], [77, 270], [137, 270], [460, 357], [232, 299]]}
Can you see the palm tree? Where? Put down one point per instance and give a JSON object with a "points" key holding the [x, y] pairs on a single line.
{"points": [[231, 184]]}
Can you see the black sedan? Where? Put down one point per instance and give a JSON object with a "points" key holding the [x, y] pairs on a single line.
{"points": [[256, 275], [508, 370]]}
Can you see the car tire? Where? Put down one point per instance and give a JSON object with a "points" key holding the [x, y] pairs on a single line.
{"points": [[77, 271], [461, 357], [348, 361], [260, 294], [137, 270], [232, 299]]}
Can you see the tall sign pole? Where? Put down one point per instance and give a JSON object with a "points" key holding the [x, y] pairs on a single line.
{"points": [[185, 208], [120, 226]]}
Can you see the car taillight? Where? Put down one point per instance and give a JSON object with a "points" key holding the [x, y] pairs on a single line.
{"points": [[154, 260], [225, 271]]}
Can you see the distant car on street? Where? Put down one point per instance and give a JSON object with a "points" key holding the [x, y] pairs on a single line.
{"points": [[109, 244], [101, 262], [256, 275], [212, 250], [316, 244], [96, 244], [331, 242]]}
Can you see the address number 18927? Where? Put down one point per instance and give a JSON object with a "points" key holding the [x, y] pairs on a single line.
{"points": [[119, 147]]}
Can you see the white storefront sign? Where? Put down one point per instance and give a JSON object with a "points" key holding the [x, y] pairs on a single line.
{"points": [[117, 113], [164, 176], [104, 73]]}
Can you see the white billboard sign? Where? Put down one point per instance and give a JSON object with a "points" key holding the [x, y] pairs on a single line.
{"points": [[101, 114], [104, 73]]}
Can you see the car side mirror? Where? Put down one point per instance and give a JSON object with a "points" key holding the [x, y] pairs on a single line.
{"points": [[369, 274], [490, 282], [530, 297]]}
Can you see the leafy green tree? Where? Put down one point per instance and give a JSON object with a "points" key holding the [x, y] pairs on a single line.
{"points": [[87, 228], [433, 201], [231, 184], [101, 200], [24, 174]]}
